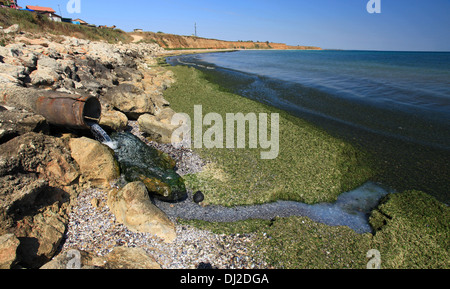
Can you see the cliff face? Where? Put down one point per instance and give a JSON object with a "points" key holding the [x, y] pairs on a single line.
{"points": [[172, 41]]}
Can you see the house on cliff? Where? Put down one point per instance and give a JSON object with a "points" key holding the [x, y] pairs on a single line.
{"points": [[80, 21], [46, 11]]}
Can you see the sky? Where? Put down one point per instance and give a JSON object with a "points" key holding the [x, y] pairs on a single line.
{"points": [[406, 25]]}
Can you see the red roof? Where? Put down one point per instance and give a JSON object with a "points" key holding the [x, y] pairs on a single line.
{"points": [[41, 9]]}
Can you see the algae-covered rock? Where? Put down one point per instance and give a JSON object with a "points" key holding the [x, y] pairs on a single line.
{"points": [[140, 162]]}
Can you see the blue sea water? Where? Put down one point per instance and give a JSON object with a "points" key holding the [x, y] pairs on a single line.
{"points": [[400, 94]]}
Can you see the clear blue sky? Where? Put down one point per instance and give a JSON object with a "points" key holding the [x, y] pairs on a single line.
{"points": [[342, 24]]}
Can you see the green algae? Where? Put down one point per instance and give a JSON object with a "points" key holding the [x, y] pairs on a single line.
{"points": [[311, 167], [412, 231], [140, 162]]}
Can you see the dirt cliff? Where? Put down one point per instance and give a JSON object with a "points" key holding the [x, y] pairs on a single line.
{"points": [[172, 41]]}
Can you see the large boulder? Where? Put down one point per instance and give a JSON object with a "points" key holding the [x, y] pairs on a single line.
{"points": [[130, 100], [41, 155], [97, 163], [74, 259], [140, 162], [133, 208], [159, 127], [17, 72], [44, 76], [36, 178]]}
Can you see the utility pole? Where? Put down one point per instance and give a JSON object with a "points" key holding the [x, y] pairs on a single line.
{"points": [[60, 13]]}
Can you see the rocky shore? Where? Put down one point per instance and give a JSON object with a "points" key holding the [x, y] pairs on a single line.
{"points": [[60, 189]]}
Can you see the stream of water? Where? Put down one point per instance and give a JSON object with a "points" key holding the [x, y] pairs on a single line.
{"points": [[351, 209]]}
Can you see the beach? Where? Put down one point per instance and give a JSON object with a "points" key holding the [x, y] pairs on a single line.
{"points": [[63, 189]]}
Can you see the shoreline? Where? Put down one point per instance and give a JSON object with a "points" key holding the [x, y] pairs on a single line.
{"points": [[411, 155], [406, 200]]}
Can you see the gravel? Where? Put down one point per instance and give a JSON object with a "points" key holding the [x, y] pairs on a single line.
{"points": [[93, 228]]}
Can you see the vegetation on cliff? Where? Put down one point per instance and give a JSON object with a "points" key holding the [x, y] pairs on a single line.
{"points": [[35, 23]]}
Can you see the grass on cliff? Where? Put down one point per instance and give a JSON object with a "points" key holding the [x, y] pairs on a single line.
{"points": [[412, 231], [311, 167], [34, 23]]}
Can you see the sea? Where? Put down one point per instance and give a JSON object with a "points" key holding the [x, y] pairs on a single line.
{"points": [[394, 103]]}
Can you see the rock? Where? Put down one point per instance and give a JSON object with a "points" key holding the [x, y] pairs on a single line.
{"points": [[133, 208], [130, 100], [130, 258], [44, 76], [89, 82], [29, 60], [19, 196], [12, 29], [5, 78], [5, 52], [128, 74], [18, 56], [198, 197], [119, 258], [113, 120], [157, 130], [140, 162], [40, 238], [48, 62], [96, 161], [16, 49], [41, 41], [14, 123], [33, 170], [69, 260], [41, 155], [8, 248], [15, 71]]}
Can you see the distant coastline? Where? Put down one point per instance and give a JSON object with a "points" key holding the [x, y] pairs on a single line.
{"points": [[172, 41]]}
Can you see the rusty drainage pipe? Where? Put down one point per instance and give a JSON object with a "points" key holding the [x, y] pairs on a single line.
{"points": [[69, 110], [60, 109]]}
